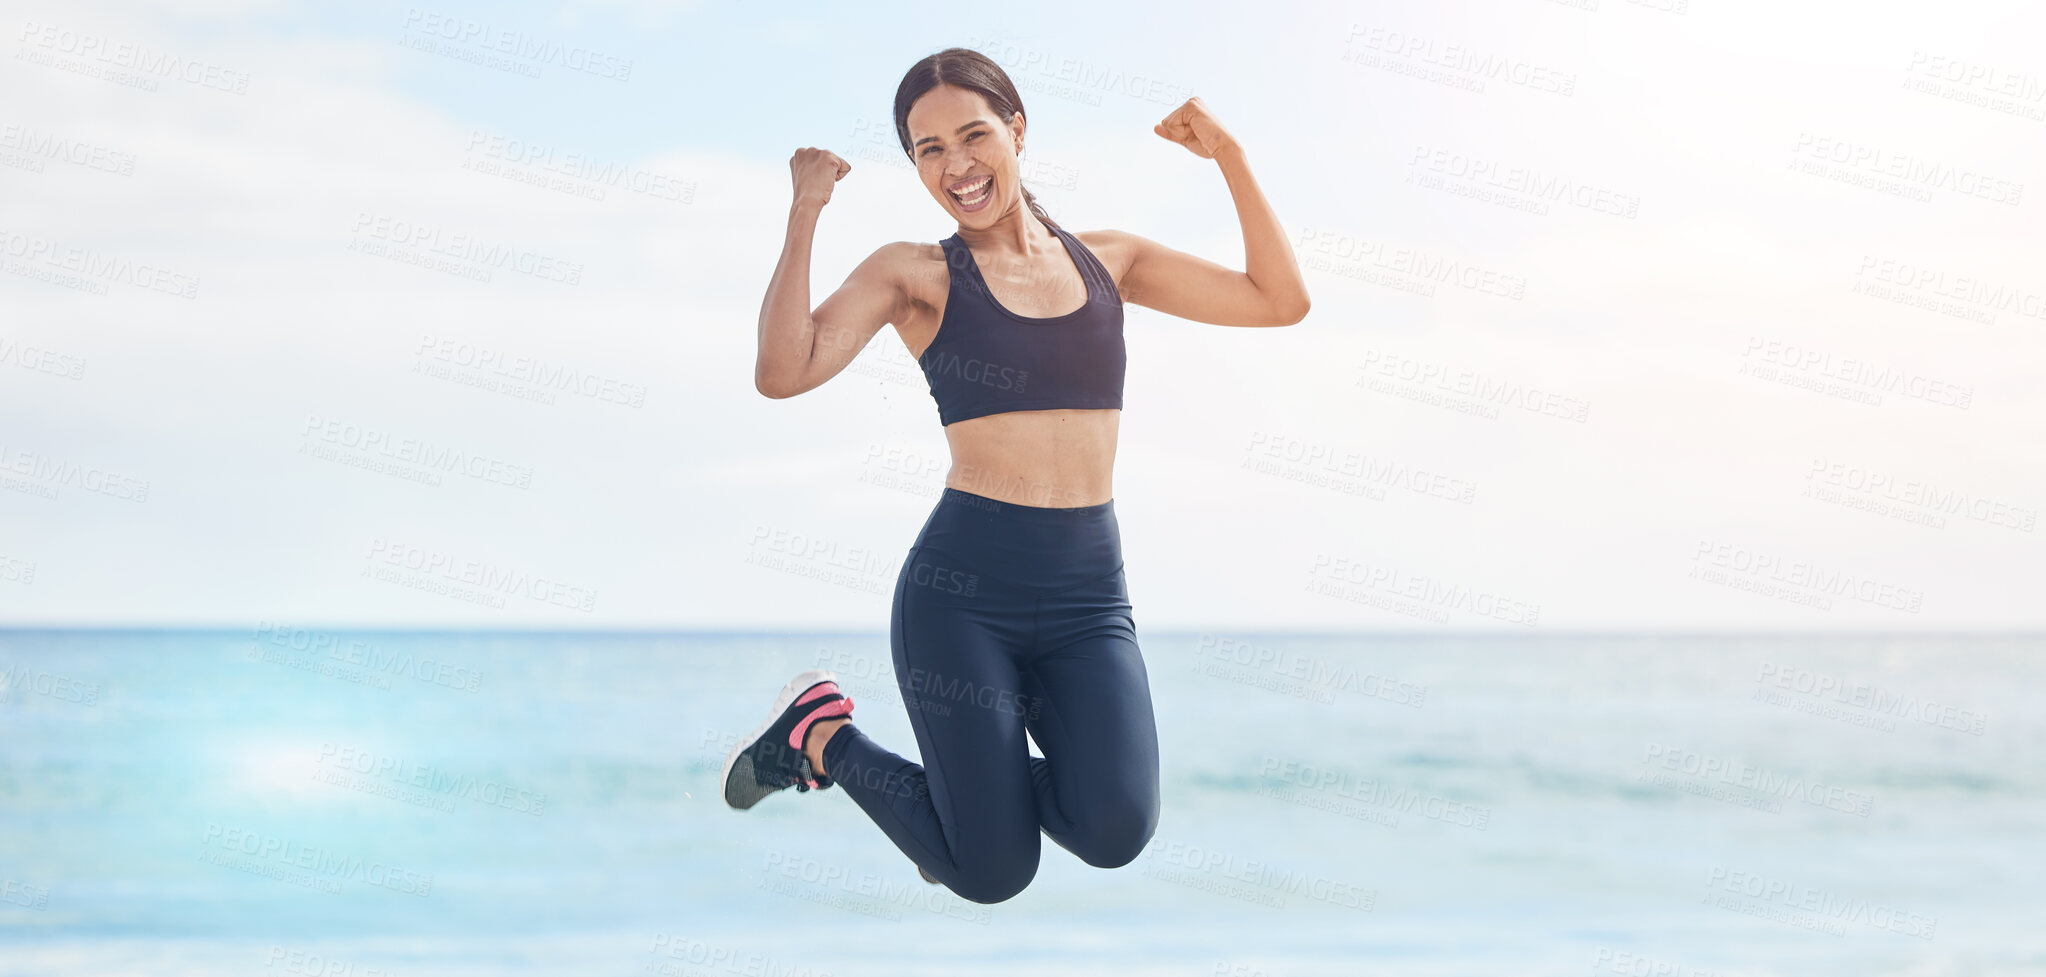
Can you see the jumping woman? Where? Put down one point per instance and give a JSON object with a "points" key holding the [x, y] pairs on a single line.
{"points": [[1011, 612]]}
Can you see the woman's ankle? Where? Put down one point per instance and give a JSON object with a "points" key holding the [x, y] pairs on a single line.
{"points": [[818, 736]]}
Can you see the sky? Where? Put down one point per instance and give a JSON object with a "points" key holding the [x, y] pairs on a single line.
{"points": [[1627, 316]]}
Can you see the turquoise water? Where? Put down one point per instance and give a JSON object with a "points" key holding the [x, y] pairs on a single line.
{"points": [[278, 802]]}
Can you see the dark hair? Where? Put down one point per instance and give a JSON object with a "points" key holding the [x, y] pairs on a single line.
{"points": [[973, 71]]}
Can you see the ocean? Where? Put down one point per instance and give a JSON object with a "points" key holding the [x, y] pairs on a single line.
{"points": [[278, 801]]}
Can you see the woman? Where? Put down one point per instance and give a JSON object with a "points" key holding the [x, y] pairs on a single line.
{"points": [[1011, 611]]}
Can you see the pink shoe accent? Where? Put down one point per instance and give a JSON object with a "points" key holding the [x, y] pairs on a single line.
{"points": [[817, 691], [826, 711]]}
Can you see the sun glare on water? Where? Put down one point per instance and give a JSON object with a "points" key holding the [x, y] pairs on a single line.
{"points": [[288, 771]]}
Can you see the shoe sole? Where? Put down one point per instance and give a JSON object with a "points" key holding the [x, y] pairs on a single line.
{"points": [[782, 702]]}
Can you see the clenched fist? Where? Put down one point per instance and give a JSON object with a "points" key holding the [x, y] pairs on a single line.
{"points": [[814, 172], [1193, 126]]}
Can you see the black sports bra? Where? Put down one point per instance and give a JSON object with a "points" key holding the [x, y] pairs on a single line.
{"points": [[988, 360]]}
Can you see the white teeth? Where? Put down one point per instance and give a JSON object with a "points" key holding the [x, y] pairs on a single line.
{"points": [[976, 190]]}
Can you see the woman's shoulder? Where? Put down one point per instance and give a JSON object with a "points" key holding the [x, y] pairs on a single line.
{"points": [[1104, 238], [1114, 249], [917, 268]]}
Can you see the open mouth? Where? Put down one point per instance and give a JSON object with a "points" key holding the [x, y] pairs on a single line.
{"points": [[973, 195]]}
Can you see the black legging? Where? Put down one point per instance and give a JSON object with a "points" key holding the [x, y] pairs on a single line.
{"points": [[1010, 617]]}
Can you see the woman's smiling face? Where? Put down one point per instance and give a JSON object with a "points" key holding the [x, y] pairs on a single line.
{"points": [[965, 156]]}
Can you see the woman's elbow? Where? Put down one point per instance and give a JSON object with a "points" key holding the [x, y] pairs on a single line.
{"points": [[773, 386], [1295, 311]]}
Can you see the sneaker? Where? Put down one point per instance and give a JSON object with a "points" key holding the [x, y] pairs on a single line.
{"points": [[928, 877], [771, 759]]}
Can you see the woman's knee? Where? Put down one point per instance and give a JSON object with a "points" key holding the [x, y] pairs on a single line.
{"points": [[993, 882], [1114, 831]]}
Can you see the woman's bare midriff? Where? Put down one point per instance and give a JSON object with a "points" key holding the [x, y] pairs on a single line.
{"points": [[1056, 459]]}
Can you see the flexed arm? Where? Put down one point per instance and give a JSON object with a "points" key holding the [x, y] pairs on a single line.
{"points": [[1269, 292], [800, 349]]}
